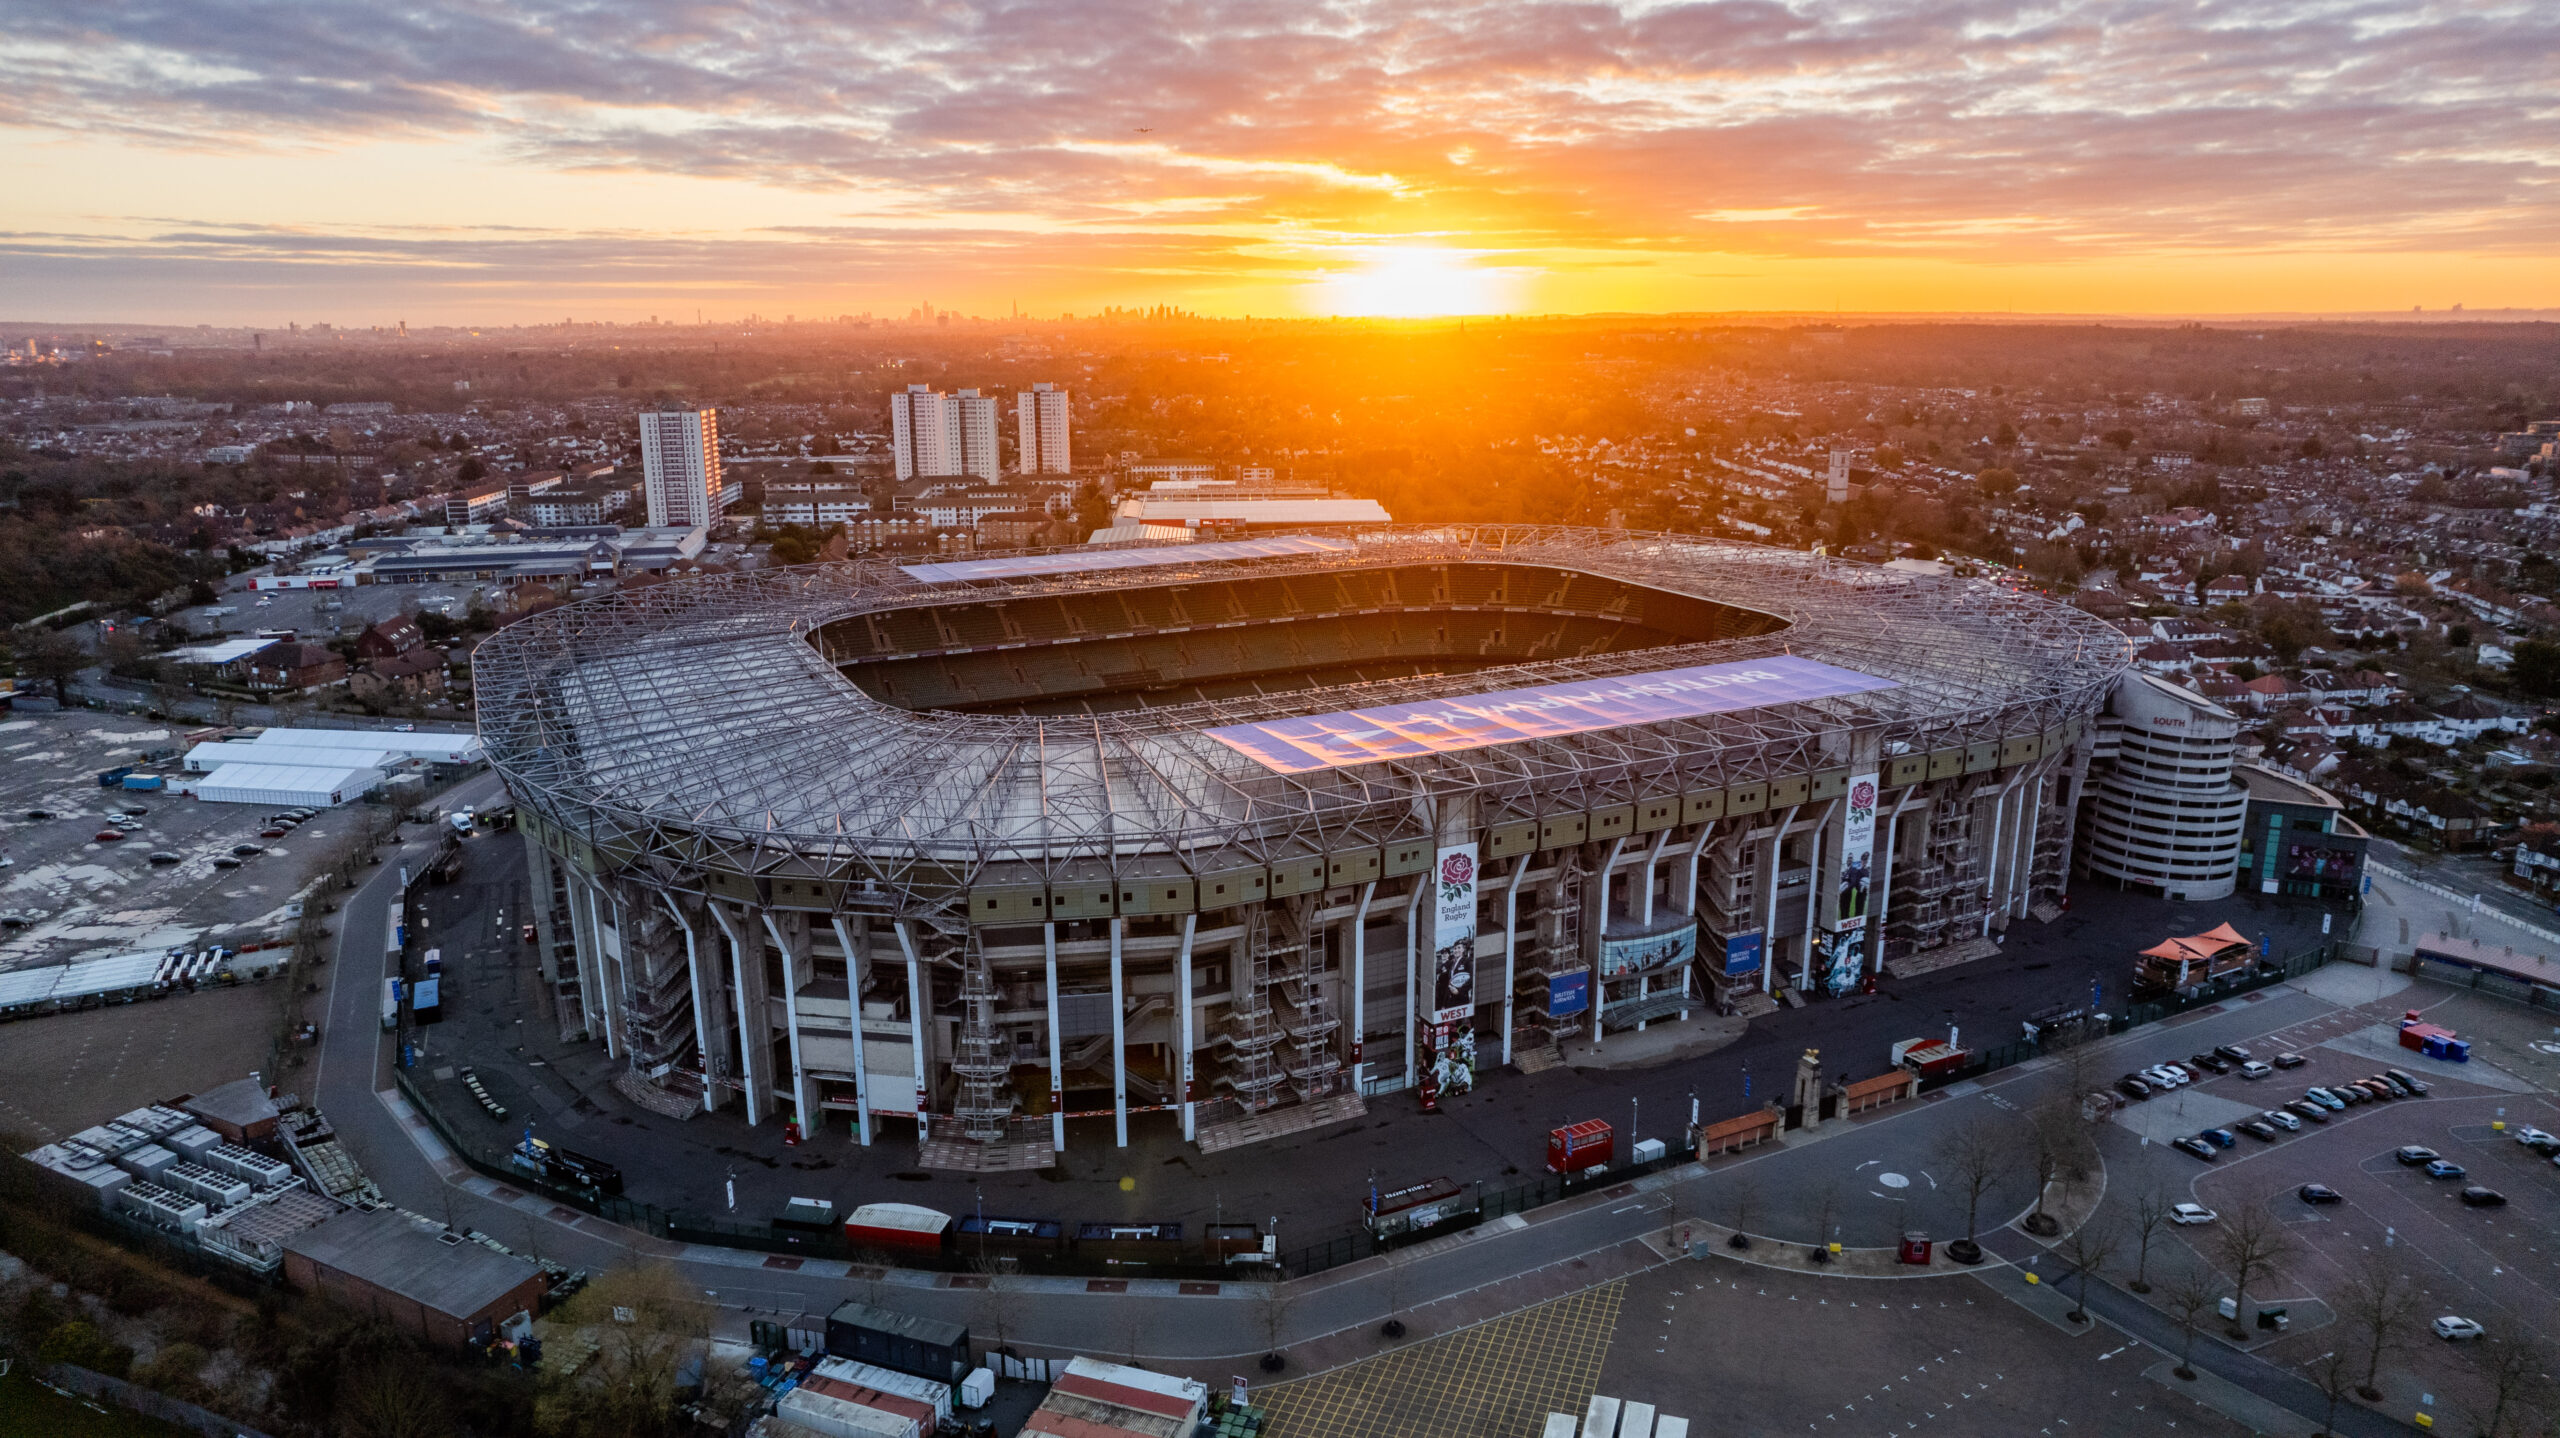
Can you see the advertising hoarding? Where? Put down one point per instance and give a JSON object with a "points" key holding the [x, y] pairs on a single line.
{"points": [[1453, 937], [1742, 953], [1627, 954], [1509, 716], [1568, 993]]}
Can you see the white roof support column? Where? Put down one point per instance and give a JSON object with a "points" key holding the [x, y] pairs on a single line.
{"points": [[1813, 887], [1993, 859], [1182, 996], [1883, 907], [1510, 944], [1119, 1041], [1652, 859], [701, 1002], [917, 1003], [1412, 1000], [1057, 1054], [1686, 901], [1775, 856], [853, 957], [1600, 938], [1360, 983], [2030, 819], [804, 1110], [750, 1072]]}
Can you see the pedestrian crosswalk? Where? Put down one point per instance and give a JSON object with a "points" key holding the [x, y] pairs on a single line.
{"points": [[1610, 1417]]}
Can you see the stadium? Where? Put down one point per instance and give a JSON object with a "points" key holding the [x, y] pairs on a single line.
{"points": [[1232, 836]]}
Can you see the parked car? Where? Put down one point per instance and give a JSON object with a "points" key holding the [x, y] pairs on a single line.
{"points": [[528, 933], [2282, 1120], [2290, 1061], [2219, 1137], [2325, 1099], [2319, 1193], [2162, 1076], [2375, 1089], [2191, 1213], [2478, 1197], [2209, 1063], [165, 857], [276, 833], [2398, 1089], [2411, 1155], [245, 850], [2453, 1328], [2235, 1053], [2253, 1069], [2257, 1128], [38, 816], [135, 811], [2132, 1087], [2537, 1140], [226, 862], [2408, 1081], [2309, 1110], [2196, 1146], [2446, 1168], [110, 836]]}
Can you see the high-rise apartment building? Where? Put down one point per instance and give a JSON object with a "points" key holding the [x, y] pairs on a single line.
{"points": [[1041, 412], [680, 467], [943, 434]]}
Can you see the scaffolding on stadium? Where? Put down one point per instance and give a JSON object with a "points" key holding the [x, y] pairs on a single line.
{"points": [[695, 726]]}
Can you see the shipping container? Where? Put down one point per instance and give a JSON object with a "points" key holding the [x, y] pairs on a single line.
{"points": [[907, 1226], [838, 1418], [989, 1233], [901, 1342], [428, 1006], [144, 783], [933, 1394], [1131, 1243], [1578, 1146]]}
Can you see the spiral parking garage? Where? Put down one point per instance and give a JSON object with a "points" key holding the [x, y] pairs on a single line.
{"points": [[1236, 833]]}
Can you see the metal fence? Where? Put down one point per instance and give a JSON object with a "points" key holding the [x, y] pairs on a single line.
{"points": [[1349, 1245]]}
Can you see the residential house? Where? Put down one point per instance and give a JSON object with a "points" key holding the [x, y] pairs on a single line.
{"points": [[417, 674], [290, 665], [391, 638]]}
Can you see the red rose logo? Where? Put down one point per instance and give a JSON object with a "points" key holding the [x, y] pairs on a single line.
{"points": [[1864, 796], [1457, 869]]}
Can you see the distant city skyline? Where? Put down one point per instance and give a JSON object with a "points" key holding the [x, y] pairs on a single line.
{"points": [[237, 164]]}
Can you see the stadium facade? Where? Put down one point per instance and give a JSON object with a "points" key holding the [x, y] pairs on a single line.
{"points": [[1236, 833]]}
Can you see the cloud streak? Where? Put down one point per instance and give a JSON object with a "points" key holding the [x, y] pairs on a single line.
{"points": [[1961, 131]]}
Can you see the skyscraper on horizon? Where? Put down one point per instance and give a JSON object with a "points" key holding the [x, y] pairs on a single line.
{"points": [[935, 435], [680, 466], [1041, 412]]}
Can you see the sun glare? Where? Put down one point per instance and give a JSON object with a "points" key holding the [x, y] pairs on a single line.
{"points": [[1415, 281]]}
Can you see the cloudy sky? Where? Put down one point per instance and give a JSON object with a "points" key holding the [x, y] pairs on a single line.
{"points": [[500, 160]]}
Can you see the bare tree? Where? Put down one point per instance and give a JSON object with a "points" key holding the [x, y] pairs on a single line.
{"points": [[998, 1308], [393, 1400], [1745, 1200], [1975, 1155], [2150, 1215], [2053, 1135], [2250, 1244], [2334, 1371], [1273, 1301], [2190, 1297], [2517, 1387], [2086, 1248], [1396, 1260], [1826, 1208], [2379, 1302]]}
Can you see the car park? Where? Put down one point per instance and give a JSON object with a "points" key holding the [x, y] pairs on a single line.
{"points": [[2453, 1328], [2191, 1213], [2282, 1120], [2235, 1053], [2446, 1168], [2257, 1128], [2290, 1061], [2209, 1063], [2312, 1111], [2478, 1197], [2218, 1137], [2414, 1154], [2319, 1193], [2255, 1070]]}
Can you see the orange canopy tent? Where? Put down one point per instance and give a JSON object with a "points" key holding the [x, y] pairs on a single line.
{"points": [[2200, 947]]}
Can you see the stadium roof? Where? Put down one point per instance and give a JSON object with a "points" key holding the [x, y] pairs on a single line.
{"points": [[696, 722]]}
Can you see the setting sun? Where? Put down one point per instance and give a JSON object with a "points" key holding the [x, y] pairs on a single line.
{"points": [[1414, 281]]}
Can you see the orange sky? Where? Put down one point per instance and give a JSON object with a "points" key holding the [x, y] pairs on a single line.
{"points": [[234, 161]]}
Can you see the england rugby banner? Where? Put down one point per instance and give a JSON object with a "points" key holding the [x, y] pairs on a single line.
{"points": [[1453, 937], [1857, 853]]}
